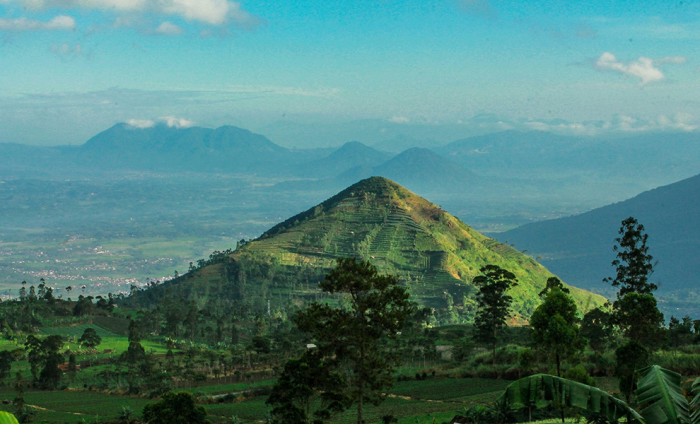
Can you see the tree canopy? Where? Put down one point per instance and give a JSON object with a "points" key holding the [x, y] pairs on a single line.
{"points": [[555, 326], [351, 337], [493, 304]]}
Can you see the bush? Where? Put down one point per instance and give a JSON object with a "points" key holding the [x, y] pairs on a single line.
{"points": [[579, 373], [526, 358], [175, 408]]}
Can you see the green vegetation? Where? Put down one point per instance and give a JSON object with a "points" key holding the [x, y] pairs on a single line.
{"points": [[433, 253], [271, 331], [493, 304]]}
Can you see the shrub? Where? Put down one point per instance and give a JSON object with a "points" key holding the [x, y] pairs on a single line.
{"points": [[175, 408], [526, 358], [579, 373]]}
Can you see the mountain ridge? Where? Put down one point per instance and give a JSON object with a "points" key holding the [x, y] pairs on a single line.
{"points": [[579, 247]]}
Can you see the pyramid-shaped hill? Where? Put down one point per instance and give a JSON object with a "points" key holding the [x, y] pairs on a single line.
{"points": [[435, 254]]}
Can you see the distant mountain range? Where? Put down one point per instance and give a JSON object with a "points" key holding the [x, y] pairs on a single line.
{"points": [[531, 168], [631, 165], [538, 154], [579, 248], [435, 254]]}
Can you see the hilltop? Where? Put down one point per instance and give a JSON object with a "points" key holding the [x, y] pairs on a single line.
{"points": [[579, 248], [435, 254]]}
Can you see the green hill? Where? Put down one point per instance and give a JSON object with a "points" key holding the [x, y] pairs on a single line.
{"points": [[434, 253]]}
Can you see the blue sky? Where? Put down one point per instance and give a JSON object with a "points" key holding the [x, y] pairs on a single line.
{"points": [[71, 68]]}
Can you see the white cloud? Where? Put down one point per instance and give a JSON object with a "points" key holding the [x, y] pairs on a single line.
{"points": [[212, 12], [169, 28], [643, 68], [58, 23], [171, 121], [174, 122], [140, 123]]}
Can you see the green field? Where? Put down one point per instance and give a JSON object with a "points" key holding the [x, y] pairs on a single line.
{"points": [[439, 398]]}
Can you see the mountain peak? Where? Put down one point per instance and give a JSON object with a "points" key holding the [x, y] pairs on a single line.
{"points": [[375, 185]]}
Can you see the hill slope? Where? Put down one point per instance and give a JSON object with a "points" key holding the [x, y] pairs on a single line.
{"points": [[579, 248], [434, 253]]}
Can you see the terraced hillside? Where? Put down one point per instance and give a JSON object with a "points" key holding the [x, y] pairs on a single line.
{"points": [[434, 253]]}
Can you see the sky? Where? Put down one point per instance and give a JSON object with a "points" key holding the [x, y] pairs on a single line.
{"points": [[72, 68]]}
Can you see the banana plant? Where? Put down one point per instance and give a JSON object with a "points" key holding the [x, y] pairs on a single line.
{"points": [[7, 418], [658, 392]]}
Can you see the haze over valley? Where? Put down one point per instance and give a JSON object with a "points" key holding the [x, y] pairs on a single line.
{"points": [[136, 204]]}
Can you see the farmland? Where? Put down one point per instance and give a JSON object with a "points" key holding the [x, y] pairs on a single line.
{"points": [[441, 398]]}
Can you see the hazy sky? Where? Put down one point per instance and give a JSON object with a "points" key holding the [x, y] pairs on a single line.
{"points": [[70, 68]]}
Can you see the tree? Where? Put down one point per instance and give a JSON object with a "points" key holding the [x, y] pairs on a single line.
{"points": [[90, 338], [633, 262], [630, 357], [45, 353], [351, 338], [84, 306], [680, 332], [18, 401], [639, 319], [6, 359], [553, 282], [261, 344], [635, 311], [493, 304], [50, 376], [175, 408], [307, 382], [555, 326], [597, 329], [135, 352]]}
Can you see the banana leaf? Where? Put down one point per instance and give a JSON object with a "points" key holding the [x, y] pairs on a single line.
{"points": [[527, 391], [695, 403], [659, 392], [7, 418]]}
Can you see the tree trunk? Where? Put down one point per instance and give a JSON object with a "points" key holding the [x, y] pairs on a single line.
{"points": [[494, 354], [558, 366], [361, 385], [359, 410]]}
